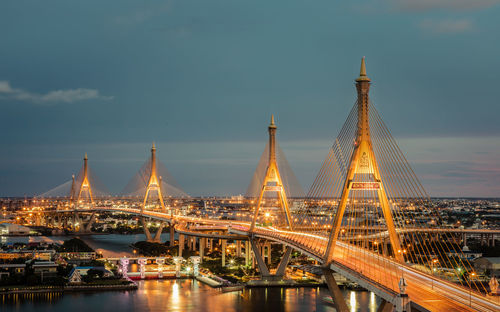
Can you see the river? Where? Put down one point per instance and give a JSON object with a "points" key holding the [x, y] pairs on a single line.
{"points": [[173, 295]]}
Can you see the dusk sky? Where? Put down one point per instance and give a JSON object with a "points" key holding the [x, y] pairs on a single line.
{"points": [[201, 79]]}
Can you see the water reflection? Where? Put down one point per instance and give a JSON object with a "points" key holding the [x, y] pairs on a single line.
{"points": [[186, 295]]}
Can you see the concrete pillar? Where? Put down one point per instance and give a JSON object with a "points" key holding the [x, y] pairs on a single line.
{"points": [[88, 227], [284, 262], [385, 307], [223, 248], [172, 235], [264, 271], [149, 238], [337, 296], [238, 248], [247, 253], [268, 245], [202, 247], [181, 244]]}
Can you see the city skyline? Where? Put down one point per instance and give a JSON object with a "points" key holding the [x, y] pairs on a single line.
{"points": [[174, 72]]}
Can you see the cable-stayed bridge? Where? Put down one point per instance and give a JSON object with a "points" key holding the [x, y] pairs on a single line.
{"points": [[361, 218]]}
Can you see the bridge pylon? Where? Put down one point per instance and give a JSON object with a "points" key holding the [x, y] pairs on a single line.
{"points": [[79, 191], [154, 182], [154, 185], [272, 181], [363, 173]]}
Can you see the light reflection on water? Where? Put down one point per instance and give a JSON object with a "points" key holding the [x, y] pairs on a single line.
{"points": [[172, 295], [186, 295]]}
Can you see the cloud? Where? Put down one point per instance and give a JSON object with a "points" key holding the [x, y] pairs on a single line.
{"points": [[456, 5], [448, 26], [56, 96]]}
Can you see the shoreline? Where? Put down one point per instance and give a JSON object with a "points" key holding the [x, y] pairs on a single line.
{"points": [[72, 288]]}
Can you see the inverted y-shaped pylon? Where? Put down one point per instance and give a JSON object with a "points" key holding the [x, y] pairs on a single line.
{"points": [[83, 188], [154, 182], [363, 162], [272, 181]]}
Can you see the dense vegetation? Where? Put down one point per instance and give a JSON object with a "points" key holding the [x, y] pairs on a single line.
{"points": [[75, 245]]}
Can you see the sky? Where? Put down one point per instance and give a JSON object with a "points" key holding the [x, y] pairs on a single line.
{"points": [[201, 79]]}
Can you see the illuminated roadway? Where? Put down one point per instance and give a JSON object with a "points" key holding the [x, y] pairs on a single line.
{"points": [[373, 270]]}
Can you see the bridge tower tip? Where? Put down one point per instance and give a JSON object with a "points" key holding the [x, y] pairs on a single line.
{"points": [[272, 124], [362, 71]]}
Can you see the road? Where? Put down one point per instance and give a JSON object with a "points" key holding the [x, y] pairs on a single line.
{"points": [[430, 292]]}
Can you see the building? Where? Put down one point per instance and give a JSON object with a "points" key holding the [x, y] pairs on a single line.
{"points": [[7, 270], [78, 255], [45, 255], [84, 270], [15, 229], [466, 254], [490, 264], [45, 268], [74, 276]]}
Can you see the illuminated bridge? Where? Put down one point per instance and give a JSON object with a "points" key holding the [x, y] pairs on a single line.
{"points": [[358, 219]]}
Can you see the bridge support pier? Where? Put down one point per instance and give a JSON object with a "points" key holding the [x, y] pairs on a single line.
{"points": [[385, 307], [238, 248], [149, 238], [76, 221], [157, 237], [284, 262], [264, 271], [147, 232], [247, 253], [337, 296], [181, 244], [223, 249], [261, 263], [202, 243], [87, 228], [172, 234]]}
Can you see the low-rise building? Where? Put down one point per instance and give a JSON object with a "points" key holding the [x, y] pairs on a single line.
{"points": [[15, 229], [489, 264], [10, 269], [74, 276], [45, 268]]}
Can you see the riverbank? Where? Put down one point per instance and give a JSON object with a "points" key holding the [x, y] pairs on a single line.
{"points": [[187, 295], [69, 288]]}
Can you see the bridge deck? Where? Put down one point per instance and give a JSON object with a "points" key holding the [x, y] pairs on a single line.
{"points": [[430, 292]]}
